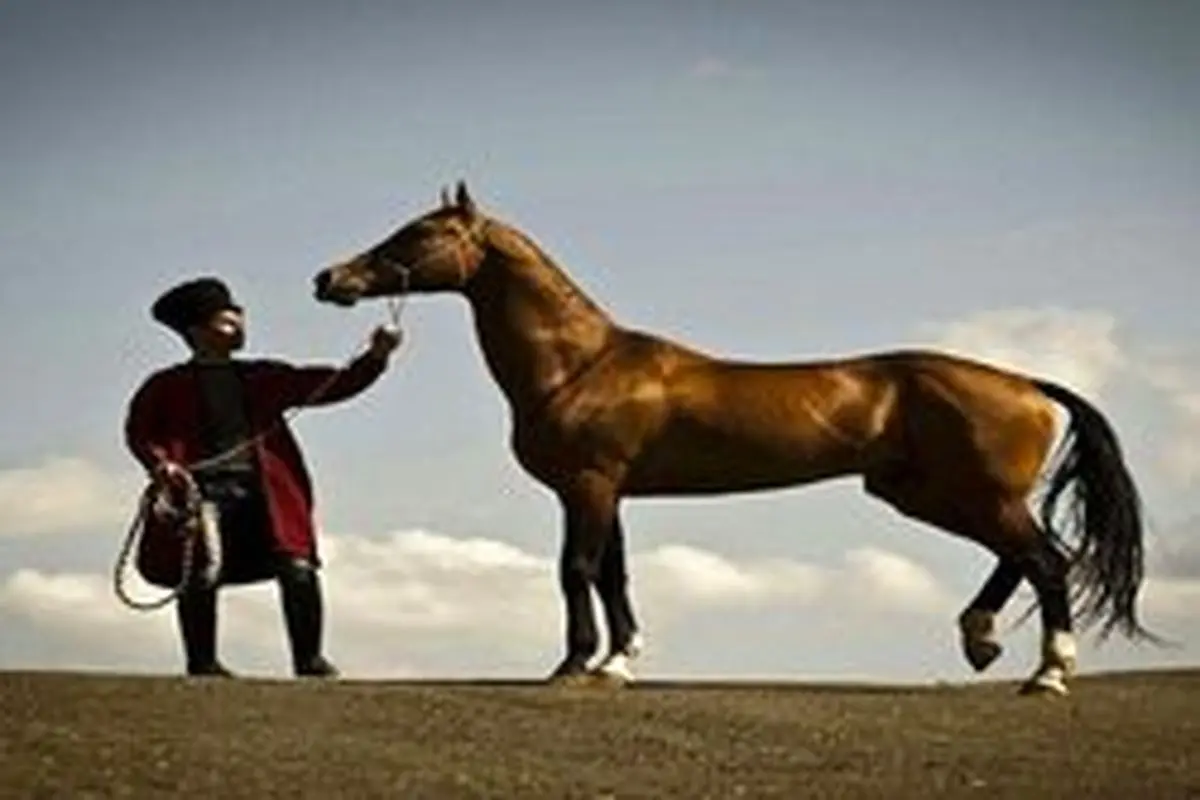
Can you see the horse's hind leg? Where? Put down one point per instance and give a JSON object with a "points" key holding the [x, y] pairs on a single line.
{"points": [[1005, 527], [1038, 559], [1021, 544], [1046, 567], [977, 623], [906, 491]]}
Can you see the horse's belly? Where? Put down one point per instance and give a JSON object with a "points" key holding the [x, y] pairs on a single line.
{"points": [[707, 461], [748, 428]]}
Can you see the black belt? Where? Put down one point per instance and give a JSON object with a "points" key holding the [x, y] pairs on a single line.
{"points": [[228, 484]]}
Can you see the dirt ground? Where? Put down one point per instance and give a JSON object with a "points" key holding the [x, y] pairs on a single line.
{"points": [[81, 736]]}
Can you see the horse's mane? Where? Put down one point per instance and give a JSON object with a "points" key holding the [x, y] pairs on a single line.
{"points": [[524, 253]]}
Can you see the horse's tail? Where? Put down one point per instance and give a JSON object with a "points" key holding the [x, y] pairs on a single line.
{"points": [[1104, 514]]}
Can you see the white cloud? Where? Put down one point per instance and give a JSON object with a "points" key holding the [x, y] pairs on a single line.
{"points": [[686, 576], [1175, 554], [1172, 598], [416, 591], [1176, 375], [62, 494], [67, 603], [887, 581], [79, 615], [420, 583], [1077, 348]]}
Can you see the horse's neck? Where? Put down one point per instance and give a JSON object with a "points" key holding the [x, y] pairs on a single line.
{"points": [[536, 328]]}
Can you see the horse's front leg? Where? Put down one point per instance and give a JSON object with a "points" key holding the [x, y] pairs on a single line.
{"points": [[589, 511], [625, 643]]}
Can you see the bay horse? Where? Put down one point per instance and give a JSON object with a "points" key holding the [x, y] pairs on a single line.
{"points": [[601, 412]]}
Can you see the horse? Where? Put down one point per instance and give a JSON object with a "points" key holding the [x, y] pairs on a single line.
{"points": [[600, 412]]}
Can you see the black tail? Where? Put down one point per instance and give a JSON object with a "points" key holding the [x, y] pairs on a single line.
{"points": [[1104, 514]]}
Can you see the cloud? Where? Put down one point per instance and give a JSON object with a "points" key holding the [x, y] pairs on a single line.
{"points": [[416, 583], [1175, 374], [476, 602], [1175, 554], [1171, 598], [62, 494], [71, 604], [888, 582], [1078, 348], [688, 577]]}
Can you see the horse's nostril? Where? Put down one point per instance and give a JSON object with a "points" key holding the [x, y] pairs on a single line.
{"points": [[322, 281]]}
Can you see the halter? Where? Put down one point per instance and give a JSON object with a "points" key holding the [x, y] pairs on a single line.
{"points": [[404, 270]]}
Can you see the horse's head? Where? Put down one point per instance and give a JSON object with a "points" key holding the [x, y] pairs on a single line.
{"points": [[439, 251]]}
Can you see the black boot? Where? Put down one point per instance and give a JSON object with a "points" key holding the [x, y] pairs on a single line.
{"points": [[300, 591], [196, 611]]}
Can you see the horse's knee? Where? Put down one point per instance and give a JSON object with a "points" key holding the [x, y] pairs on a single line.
{"points": [[612, 581], [578, 572]]}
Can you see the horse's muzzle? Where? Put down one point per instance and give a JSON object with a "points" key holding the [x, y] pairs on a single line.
{"points": [[325, 291]]}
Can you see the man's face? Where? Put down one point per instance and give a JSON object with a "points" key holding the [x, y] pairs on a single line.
{"points": [[224, 332]]}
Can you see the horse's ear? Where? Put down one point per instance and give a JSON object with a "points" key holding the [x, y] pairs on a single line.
{"points": [[446, 198], [463, 199]]}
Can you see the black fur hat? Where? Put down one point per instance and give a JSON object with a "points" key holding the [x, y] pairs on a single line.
{"points": [[192, 303]]}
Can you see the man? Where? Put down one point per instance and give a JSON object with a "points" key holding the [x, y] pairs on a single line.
{"points": [[201, 410]]}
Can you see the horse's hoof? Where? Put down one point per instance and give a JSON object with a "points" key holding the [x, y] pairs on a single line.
{"points": [[1048, 685], [982, 653], [571, 672], [608, 679], [568, 678], [578, 680], [616, 668]]}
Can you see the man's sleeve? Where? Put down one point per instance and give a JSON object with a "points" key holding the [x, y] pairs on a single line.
{"points": [[142, 426], [323, 385]]}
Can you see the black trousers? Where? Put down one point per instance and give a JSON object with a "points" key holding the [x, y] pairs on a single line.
{"points": [[249, 556]]}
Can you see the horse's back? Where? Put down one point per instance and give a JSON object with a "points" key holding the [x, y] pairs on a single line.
{"points": [[972, 384], [737, 425], [853, 411]]}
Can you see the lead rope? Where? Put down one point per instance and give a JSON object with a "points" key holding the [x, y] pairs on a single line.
{"points": [[196, 519]]}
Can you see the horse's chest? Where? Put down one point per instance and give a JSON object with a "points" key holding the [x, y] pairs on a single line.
{"points": [[585, 433], [552, 452]]}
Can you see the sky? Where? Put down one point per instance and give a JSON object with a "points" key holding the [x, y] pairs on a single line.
{"points": [[1018, 182]]}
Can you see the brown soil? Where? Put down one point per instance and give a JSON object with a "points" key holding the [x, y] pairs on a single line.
{"points": [[73, 736]]}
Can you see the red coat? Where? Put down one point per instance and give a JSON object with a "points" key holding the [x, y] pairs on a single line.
{"points": [[163, 421]]}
